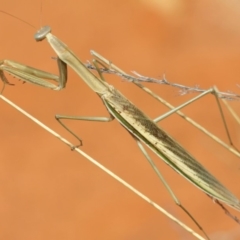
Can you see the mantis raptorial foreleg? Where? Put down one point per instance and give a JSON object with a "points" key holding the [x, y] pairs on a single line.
{"points": [[108, 66], [34, 75]]}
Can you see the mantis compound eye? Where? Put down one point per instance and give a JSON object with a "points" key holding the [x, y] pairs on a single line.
{"points": [[41, 34]]}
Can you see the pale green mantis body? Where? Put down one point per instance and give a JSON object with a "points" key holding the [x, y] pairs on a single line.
{"points": [[129, 116]]}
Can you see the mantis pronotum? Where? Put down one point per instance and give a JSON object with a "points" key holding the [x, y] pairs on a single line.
{"points": [[135, 121]]}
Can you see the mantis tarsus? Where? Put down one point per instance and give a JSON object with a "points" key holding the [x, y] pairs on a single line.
{"points": [[136, 122]]}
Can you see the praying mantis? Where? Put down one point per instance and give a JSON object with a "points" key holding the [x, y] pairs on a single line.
{"points": [[143, 129]]}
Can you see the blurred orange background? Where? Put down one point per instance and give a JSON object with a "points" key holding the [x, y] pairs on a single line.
{"points": [[49, 192]]}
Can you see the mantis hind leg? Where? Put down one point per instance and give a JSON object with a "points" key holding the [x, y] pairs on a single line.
{"points": [[215, 92], [176, 200]]}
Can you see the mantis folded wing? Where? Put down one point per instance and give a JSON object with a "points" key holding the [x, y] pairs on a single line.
{"points": [[129, 116]]}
